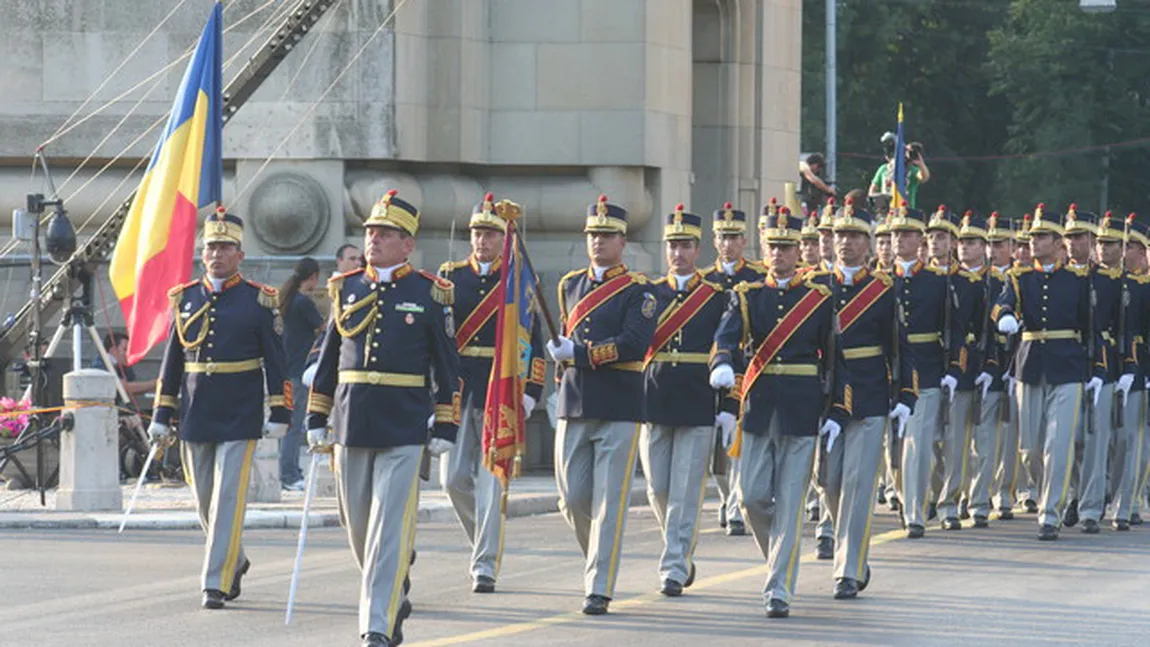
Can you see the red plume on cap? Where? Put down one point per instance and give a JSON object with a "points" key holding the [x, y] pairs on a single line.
{"points": [[1130, 218], [488, 197], [727, 205], [392, 192], [941, 207], [994, 214], [784, 210], [679, 207], [774, 201], [602, 197], [1042, 205], [1108, 214], [221, 212], [1074, 206], [831, 201], [1026, 216]]}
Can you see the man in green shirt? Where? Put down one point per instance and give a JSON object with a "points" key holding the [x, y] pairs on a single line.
{"points": [[917, 173]]}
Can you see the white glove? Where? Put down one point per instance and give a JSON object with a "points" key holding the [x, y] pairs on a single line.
{"points": [[1094, 387], [158, 433], [983, 380], [1124, 383], [528, 405], [949, 384], [900, 414], [563, 351], [431, 421], [722, 377], [831, 430], [317, 438], [275, 429], [309, 375], [437, 446], [725, 421], [1009, 381], [1008, 325]]}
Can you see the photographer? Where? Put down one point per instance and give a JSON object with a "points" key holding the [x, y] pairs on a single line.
{"points": [[813, 190], [917, 172]]}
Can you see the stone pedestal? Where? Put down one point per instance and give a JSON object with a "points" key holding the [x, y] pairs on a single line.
{"points": [[89, 453], [265, 487]]}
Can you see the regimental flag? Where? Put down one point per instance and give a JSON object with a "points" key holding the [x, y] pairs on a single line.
{"points": [[155, 247], [504, 435], [898, 193]]}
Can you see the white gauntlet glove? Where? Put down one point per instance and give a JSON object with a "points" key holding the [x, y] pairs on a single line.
{"points": [[726, 421], [722, 377], [562, 351], [899, 415], [1008, 325], [831, 431], [158, 433]]}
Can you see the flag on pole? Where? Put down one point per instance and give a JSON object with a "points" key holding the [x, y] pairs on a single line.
{"points": [[504, 435], [156, 243], [898, 194]]}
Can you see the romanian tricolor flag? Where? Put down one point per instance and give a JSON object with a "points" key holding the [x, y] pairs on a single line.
{"points": [[154, 251], [898, 192], [504, 433]]}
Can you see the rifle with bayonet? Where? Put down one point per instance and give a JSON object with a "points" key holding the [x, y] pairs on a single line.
{"points": [[1118, 415], [947, 341], [828, 381], [894, 441], [1091, 347], [983, 341]]}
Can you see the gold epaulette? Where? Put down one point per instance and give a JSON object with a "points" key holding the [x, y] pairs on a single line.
{"points": [[1110, 272], [711, 284], [335, 283], [970, 276], [640, 278], [1142, 279], [758, 266], [1019, 270], [451, 266], [176, 291], [934, 269], [818, 287], [659, 281], [1079, 271], [885, 278], [269, 297], [997, 274], [747, 286], [442, 290]]}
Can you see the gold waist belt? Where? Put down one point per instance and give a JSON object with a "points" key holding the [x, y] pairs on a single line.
{"points": [[804, 370], [382, 379], [242, 366], [923, 337], [478, 351], [1049, 335], [625, 366], [675, 356], [862, 352]]}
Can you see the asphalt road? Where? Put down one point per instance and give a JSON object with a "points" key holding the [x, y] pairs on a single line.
{"points": [[972, 587]]}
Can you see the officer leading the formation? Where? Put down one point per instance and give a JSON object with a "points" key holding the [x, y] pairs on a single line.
{"points": [[223, 349], [608, 316], [388, 379], [475, 493], [678, 437], [787, 326]]}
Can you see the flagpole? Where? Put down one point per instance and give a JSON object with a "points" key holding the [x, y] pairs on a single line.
{"points": [[539, 298]]}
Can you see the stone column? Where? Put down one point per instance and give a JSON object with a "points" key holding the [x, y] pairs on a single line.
{"points": [[89, 453]]}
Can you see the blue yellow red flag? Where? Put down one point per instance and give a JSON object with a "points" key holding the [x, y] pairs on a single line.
{"points": [[898, 194]]}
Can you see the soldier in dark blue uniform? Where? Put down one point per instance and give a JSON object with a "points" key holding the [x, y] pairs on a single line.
{"points": [[223, 350], [388, 377], [731, 268], [608, 316], [786, 325], [1050, 303], [1002, 234], [1132, 445], [475, 493], [678, 436]]}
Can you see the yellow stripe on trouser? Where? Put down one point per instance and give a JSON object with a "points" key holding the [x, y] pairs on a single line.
{"points": [[698, 515], [411, 511], [797, 544], [966, 450], [1069, 449], [228, 571], [613, 565]]}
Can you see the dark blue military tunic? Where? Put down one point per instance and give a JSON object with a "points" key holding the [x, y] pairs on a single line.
{"points": [[222, 350], [922, 297], [744, 270], [791, 385], [1108, 296], [676, 382], [980, 288], [388, 360], [605, 380], [476, 354]]}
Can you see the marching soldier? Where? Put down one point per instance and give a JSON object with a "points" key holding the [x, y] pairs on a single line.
{"points": [[826, 229], [883, 260], [475, 492], [223, 349], [1023, 258], [866, 309], [609, 318], [787, 324], [809, 256], [388, 378], [1050, 304], [1001, 236], [1132, 446], [676, 441], [731, 268], [1022, 255]]}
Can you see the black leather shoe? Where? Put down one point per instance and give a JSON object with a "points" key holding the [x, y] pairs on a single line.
{"points": [[235, 590], [951, 523], [690, 577], [964, 510], [1090, 527], [1121, 525], [375, 639], [981, 521], [1070, 517], [866, 580], [595, 605], [1135, 519], [846, 588], [397, 633], [777, 608], [483, 584], [736, 528], [213, 599], [915, 531], [894, 503], [813, 513], [931, 512], [723, 515], [1031, 506], [1047, 533], [1005, 514], [826, 548], [671, 588], [881, 497]]}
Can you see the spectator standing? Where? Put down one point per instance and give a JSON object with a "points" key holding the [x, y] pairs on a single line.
{"points": [[301, 324], [813, 189]]}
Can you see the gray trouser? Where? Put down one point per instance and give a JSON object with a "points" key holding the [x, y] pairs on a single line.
{"points": [[773, 486], [1006, 472], [1089, 479], [219, 475], [292, 441], [985, 445], [475, 494], [918, 456], [594, 462], [729, 507], [1047, 417], [955, 453], [378, 492], [849, 482], [1129, 448], [675, 461]]}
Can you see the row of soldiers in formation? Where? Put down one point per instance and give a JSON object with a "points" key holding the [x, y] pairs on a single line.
{"points": [[805, 365]]}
